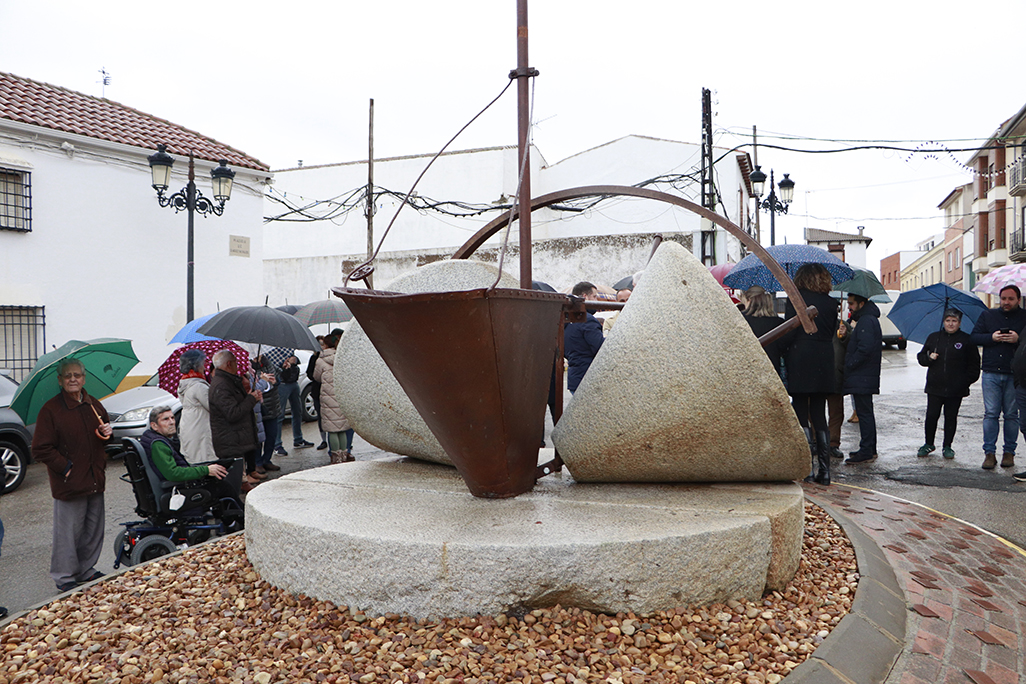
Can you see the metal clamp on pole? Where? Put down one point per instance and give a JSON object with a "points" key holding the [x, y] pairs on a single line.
{"points": [[529, 72]]}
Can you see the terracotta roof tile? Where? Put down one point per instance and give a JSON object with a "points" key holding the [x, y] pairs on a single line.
{"points": [[40, 104]]}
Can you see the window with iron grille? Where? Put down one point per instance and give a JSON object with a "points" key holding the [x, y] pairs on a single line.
{"points": [[22, 338], [15, 200]]}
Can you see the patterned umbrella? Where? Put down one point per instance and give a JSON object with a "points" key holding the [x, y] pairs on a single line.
{"points": [[324, 311], [1012, 274], [170, 371], [751, 271], [276, 355]]}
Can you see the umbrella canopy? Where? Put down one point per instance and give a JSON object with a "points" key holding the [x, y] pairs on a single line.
{"points": [[720, 271], [751, 271], [188, 332], [624, 283], [919, 312], [1012, 274], [288, 308], [865, 284], [541, 287], [170, 372], [276, 355], [260, 325], [324, 311], [106, 362]]}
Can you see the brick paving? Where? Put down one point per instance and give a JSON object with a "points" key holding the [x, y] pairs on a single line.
{"points": [[964, 589]]}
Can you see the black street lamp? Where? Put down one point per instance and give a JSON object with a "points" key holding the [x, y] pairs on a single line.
{"points": [[191, 200], [772, 204]]}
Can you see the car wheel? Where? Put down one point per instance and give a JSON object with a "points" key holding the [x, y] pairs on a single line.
{"points": [[152, 547], [14, 463], [309, 410]]}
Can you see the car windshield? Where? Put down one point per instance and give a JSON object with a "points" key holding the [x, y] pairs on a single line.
{"points": [[7, 389], [153, 381]]}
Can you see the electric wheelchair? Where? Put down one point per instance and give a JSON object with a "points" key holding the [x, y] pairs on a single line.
{"points": [[164, 530]]}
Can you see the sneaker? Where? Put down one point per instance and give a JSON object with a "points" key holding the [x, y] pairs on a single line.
{"points": [[322, 446], [273, 467], [1019, 477], [93, 577], [67, 586], [280, 451], [948, 452], [989, 461], [302, 445], [926, 450], [856, 458], [1007, 459], [3, 612]]}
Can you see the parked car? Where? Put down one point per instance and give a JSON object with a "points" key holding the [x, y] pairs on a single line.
{"points": [[891, 335], [130, 410], [15, 438]]}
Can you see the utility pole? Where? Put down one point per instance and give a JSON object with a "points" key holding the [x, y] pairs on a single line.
{"points": [[370, 193], [708, 186]]}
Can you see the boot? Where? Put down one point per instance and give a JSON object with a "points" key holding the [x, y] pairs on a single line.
{"points": [[337, 457], [823, 456], [812, 454], [348, 456]]}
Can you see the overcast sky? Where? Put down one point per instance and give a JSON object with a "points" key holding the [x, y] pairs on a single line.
{"points": [[290, 81]]}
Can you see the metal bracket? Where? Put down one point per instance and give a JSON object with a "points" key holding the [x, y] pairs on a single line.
{"points": [[529, 72]]}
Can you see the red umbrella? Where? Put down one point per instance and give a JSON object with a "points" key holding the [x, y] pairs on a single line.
{"points": [[170, 371], [720, 271]]}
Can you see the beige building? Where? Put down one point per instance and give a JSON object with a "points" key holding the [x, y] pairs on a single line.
{"points": [[928, 268]]}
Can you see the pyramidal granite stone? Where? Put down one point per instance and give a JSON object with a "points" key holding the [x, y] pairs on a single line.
{"points": [[370, 396], [681, 391]]}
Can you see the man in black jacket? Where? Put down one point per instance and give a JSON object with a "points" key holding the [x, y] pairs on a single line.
{"points": [[232, 422], [862, 372], [997, 331]]}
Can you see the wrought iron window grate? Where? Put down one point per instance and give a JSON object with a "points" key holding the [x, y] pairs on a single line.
{"points": [[15, 200], [22, 338]]}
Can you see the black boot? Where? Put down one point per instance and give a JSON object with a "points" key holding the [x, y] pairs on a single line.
{"points": [[812, 454], [823, 456]]}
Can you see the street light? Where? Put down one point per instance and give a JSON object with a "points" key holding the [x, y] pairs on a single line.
{"points": [[772, 203], [191, 200]]}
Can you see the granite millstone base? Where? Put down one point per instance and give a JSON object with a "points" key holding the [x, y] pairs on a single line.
{"points": [[406, 537]]}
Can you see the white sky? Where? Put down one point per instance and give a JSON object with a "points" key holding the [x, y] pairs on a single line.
{"points": [[297, 77]]}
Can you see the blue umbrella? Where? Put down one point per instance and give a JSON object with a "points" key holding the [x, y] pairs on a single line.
{"points": [[919, 312], [751, 271], [188, 332]]}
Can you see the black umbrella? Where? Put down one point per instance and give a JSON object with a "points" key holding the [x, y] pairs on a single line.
{"points": [[544, 287], [288, 308], [260, 325], [624, 283]]}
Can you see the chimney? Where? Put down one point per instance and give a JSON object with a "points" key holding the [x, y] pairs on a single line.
{"points": [[861, 228]]}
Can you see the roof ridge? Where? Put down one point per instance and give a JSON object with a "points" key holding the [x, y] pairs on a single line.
{"points": [[56, 107]]}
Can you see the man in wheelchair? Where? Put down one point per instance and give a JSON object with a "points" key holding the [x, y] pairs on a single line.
{"points": [[219, 479]]}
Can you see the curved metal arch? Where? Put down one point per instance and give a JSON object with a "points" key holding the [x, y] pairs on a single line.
{"points": [[493, 226]]}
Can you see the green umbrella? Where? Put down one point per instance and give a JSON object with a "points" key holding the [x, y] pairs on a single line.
{"points": [[106, 362], [865, 284]]}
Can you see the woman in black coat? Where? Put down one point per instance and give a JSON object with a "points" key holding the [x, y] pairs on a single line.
{"points": [[953, 364], [810, 363], [761, 318]]}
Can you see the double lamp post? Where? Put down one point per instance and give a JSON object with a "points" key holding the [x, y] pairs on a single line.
{"points": [[772, 203], [190, 200]]}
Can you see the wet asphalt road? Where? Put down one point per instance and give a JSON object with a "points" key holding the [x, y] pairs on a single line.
{"points": [[989, 499]]}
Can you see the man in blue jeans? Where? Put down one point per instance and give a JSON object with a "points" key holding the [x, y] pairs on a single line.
{"points": [[997, 331], [288, 394]]}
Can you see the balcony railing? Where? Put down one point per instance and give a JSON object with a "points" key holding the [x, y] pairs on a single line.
{"points": [[1017, 177], [1017, 245]]}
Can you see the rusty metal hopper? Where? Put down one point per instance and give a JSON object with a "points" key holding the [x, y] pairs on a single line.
{"points": [[476, 364]]}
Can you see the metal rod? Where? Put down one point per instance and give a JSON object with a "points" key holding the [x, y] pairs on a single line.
{"points": [[524, 154], [786, 327], [370, 194], [755, 163]]}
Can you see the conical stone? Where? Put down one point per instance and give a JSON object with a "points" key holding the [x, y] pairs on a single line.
{"points": [[367, 392], [681, 391]]}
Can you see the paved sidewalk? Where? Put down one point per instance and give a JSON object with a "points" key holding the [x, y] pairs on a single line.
{"points": [[960, 590]]}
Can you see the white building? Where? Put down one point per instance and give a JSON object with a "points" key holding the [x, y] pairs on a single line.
{"points": [[849, 248], [85, 249], [318, 227]]}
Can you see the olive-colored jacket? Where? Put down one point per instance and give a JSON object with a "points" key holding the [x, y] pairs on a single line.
{"points": [[66, 434]]}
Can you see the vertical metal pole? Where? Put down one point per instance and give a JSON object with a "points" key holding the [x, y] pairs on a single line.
{"points": [[370, 194], [524, 154], [758, 200], [772, 199], [190, 204]]}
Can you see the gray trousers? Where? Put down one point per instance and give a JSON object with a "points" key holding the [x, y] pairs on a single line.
{"points": [[77, 538]]}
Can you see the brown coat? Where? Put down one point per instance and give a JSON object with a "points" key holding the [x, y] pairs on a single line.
{"points": [[66, 433]]}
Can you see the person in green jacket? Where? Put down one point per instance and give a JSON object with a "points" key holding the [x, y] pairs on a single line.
{"points": [[220, 478]]}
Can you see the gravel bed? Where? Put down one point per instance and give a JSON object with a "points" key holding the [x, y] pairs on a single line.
{"points": [[206, 616]]}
